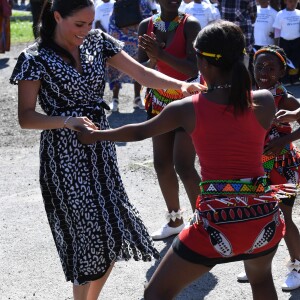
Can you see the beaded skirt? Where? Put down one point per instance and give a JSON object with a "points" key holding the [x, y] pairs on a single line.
{"points": [[234, 220]]}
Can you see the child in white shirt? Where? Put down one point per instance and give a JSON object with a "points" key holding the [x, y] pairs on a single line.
{"points": [[103, 11], [287, 36], [263, 26], [203, 10]]}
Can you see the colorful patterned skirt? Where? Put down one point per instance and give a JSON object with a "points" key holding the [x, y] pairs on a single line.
{"points": [[283, 168], [234, 220]]}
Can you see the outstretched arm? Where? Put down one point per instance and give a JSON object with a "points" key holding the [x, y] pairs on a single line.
{"points": [[149, 77], [176, 114]]}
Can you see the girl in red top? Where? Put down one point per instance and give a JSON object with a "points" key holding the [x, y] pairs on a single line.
{"points": [[237, 215], [166, 43], [281, 158]]}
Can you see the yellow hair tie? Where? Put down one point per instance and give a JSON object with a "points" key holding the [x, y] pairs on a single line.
{"points": [[216, 56]]}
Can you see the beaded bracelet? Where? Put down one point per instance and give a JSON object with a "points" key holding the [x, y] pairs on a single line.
{"points": [[66, 121]]}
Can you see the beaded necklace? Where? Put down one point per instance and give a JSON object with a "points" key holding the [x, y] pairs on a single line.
{"points": [[167, 26], [216, 87]]}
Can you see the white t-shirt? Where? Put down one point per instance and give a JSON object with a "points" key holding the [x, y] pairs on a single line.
{"points": [[202, 11], [263, 26], [102, 13], [288, 22]]}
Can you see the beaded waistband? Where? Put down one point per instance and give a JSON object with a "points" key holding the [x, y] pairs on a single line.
{"points": [[233, 187]]}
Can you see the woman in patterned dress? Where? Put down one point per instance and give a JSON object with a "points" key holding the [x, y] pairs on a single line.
{"points": [[91, 219], [227, 125]]}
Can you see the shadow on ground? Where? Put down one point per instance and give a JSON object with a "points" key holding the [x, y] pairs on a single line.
{"points": [[4, 63]]}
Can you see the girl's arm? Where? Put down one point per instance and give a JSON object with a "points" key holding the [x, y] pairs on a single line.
{"points": [[149, 77], [29, 118], [289, 111], [176, 114], [275, 146]]}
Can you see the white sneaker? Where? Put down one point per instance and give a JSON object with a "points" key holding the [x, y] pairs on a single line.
{"points": [[114, 105], [292, 281], [166, 231], [242, 277], [138, 104]]}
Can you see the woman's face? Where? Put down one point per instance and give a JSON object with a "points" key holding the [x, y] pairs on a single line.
{"points": [[268, 69], [73, 29]]}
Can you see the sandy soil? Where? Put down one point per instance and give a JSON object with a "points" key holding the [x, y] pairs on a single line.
{"points": [[29, 265]]}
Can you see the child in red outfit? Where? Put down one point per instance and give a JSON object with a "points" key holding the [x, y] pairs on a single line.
{"points": [[234, 194]]}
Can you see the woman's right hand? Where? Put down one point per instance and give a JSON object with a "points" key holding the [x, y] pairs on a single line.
{"points": [[192, 88], [79, 123], [287, 116]]}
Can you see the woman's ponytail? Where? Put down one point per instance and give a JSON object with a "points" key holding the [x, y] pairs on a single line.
{"points": [[241, 85]]}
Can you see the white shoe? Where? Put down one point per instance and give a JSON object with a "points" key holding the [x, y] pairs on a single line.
{"points": [[242, 277], [292, 281], [138, 104], [166, 231], [114, 105]]}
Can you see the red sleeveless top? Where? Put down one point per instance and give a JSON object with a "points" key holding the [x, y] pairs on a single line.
{"points": [[177, 48], [228, 147]]}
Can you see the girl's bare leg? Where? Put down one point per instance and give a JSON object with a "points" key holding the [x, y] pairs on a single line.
{"points": [[184, 158], [166, 174], [171, 276], [259, 273]]}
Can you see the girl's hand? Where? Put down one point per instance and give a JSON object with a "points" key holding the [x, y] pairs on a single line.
{"points": [[79, 123], [86, 135], [192, 88], [151, 46], [287, 116], [276, 146]]}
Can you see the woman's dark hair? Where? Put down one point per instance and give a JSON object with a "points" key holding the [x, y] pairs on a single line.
{"points": [[226, 42], [47, 22], [274, 50]]}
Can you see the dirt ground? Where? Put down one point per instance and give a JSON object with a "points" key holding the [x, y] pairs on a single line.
{"points": [[29, 265]]}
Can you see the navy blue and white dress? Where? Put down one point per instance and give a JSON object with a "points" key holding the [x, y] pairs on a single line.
{"points": [[91, 218]]}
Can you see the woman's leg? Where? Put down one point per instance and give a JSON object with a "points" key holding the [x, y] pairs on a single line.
{"points": [[259, 273], [171, 276], [91, 291], [97, 285], [184, 158], [80, 292]]}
